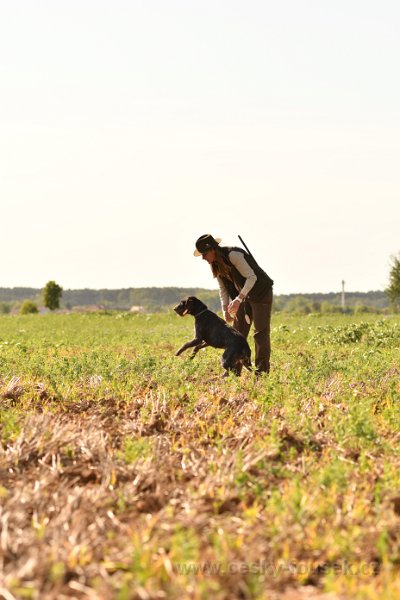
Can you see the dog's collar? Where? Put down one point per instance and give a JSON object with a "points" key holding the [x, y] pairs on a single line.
{"points": [[201, 312]]}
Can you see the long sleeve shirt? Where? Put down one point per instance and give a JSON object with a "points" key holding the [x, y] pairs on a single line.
{"points": [[239, 262]]}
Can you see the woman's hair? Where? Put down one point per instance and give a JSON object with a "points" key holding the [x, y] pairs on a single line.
{"points": [[220, 266]]}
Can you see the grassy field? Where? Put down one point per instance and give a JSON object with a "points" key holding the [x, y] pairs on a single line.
{"points": [[129, 473]]}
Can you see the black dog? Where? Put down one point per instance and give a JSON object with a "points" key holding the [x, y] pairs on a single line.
{"points": [[211, 330]]}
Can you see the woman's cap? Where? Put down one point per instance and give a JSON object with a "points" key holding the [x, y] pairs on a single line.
{"points": [[205, 243]]}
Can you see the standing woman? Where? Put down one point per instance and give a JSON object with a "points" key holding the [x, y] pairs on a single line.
{"points": [[245, 291]]}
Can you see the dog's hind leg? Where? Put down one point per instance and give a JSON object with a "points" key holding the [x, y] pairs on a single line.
{"points": [[247, 364], [237, 369], [230, 362]]}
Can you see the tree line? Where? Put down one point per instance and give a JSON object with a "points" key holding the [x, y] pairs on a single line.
{"points": [[155, 299], [158, 299]]}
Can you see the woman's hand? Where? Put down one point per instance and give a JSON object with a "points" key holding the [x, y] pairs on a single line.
{"points": [[234, 306]]}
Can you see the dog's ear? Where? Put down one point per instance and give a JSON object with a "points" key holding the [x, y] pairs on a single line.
{"points": [[190, 302]]}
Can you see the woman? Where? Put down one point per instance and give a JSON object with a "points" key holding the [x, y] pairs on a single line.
{"points": [[245, 291]]}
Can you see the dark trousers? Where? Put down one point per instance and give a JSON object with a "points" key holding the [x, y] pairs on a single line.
{"points": [[259, 314]]}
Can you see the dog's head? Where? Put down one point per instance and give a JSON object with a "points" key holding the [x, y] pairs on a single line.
{"points": [[189, 306]]}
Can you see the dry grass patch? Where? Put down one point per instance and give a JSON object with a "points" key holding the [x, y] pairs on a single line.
{"points": [[149, 499]]}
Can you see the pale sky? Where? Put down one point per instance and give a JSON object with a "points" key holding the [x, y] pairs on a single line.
{"points": [[130, 128]]}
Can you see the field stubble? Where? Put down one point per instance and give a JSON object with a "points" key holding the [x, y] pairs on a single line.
{"points": [[126, 472]]}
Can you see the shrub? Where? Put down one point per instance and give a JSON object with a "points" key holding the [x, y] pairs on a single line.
{"points": [[28, 307], [5, 308], [299, 306], [329, 308]]}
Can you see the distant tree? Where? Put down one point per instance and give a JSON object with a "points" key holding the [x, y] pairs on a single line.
{"points": [[393, 290], [28, 308], [51, 295]]}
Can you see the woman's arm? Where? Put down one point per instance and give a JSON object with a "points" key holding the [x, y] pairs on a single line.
{"points": [[239, 262], [225, 300]]}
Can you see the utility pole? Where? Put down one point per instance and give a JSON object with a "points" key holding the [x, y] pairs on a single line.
{"points": [[343, 300]]}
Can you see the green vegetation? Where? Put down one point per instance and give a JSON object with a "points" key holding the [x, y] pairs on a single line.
{"points": [[5, 308], [52, 293], [28, 307], [393, 289], [127, 472]]}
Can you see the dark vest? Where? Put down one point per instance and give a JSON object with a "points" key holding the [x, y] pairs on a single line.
{"points": [[263, 284]]}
